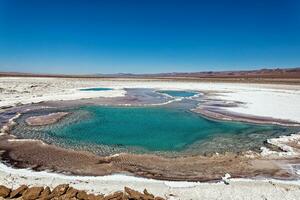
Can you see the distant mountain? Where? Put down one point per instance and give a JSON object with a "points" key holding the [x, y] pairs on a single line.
{"points": [[262, 73]]}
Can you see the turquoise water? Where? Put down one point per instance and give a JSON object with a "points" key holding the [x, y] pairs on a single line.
{"points": [[155, 129], [178, 93], [95, 89]]}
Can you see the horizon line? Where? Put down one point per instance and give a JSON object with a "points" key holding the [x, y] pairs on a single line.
{"points": [[152, 73]]}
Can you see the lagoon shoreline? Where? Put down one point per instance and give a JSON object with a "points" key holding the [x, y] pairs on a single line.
{"points": [[244, 165]]}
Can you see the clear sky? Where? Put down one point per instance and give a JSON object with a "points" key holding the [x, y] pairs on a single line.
{"points": [[148, 36]]}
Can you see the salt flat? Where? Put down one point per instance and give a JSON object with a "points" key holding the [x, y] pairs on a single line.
{"points": [[266, 100], [238, 189]]}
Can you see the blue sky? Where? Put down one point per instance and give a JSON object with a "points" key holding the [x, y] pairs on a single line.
{"points": [[147, 36]]}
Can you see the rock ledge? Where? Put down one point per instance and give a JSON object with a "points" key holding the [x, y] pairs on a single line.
{"points": [[64, 191]]}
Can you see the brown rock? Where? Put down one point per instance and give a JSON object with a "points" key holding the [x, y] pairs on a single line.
{"points": [[125, 196], [71, 193], [32, 193], [94, 197], [159, 198], [114, 196], [147, 193], [59, 190], [4, 191], [18, 192], [82, 195], [135, 195], [63, 198], [45, 194], [99, 197]]}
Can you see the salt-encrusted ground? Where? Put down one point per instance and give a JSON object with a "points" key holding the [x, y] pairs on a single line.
{"points": [[275, 101], [266, 100], [239, 189]]}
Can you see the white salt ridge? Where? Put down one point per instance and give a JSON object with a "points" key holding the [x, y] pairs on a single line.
{"points": [[9, 125], [26, 140], [114, 177], [282, 142]]}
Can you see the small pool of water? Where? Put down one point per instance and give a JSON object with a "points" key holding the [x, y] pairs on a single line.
{"points": [[113, 129], [95, 89], [178, 93]]}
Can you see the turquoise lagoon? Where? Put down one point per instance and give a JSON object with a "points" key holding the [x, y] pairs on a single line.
{"points": [[174, 129], [178, 93], [95, 89]]}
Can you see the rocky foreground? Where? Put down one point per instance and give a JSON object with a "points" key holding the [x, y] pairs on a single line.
{"points": [[65, 192]]}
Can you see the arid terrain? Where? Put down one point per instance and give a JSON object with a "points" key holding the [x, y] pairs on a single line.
{"points": [[240, 101]]}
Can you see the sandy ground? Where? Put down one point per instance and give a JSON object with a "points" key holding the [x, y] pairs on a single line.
{"points": [[275, 101], [236, 189]]}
